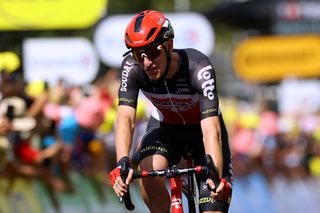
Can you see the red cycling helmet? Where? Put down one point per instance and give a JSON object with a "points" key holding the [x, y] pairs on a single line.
{"points": [[147, 27]]}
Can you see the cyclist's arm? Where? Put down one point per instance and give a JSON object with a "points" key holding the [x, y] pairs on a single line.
{"points": [[127, 95], [124, 127], [212, 140], [124, 130], [203, 80]]}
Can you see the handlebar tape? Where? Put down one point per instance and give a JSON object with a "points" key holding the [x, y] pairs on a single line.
{"points": [[124, 171]]}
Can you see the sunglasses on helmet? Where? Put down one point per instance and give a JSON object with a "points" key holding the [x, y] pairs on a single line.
{"points": [[151, 51]]}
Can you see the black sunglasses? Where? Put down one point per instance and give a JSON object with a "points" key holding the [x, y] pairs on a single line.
{"points": [[151, 51]]}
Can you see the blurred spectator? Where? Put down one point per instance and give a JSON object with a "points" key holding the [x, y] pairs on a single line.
{"points": [[4, 126]]}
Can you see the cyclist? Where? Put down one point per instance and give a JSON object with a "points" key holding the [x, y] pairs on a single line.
{"points": [[181, 85]]}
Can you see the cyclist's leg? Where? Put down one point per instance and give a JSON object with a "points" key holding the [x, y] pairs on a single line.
{"points": [[155, 152], [153, 189]]}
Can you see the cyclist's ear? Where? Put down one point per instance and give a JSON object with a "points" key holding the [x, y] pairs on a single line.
{"points": [[170, 45]]}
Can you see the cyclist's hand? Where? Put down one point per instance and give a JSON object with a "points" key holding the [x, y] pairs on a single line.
{"points": [[118, 184], [222, 192]]}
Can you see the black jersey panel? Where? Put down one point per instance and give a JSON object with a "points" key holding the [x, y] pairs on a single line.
{"points": [[129, 89]]}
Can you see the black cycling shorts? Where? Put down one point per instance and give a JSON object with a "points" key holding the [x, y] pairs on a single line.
{"points": [[171, 141]]}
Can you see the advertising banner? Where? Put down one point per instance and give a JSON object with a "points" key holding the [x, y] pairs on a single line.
{"points": [[297, 17], [48, 14], [272, 58], [50, 59]]}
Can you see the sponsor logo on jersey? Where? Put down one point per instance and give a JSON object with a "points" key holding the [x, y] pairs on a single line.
{"points": [[124, 76], [208, 85], [211, 110], [173, 103], [126, 100], [181, 80], [182, 85], [182, 90]]}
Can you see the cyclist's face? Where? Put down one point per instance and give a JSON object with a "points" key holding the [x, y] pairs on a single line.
{"points": [[152, 59]]}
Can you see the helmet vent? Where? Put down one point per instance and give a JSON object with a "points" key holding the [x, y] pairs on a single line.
{"points": [[152, 31], [137, 26]]}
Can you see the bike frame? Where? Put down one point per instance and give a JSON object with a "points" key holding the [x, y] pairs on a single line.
{"points": [[176, 194], [176, 188]]}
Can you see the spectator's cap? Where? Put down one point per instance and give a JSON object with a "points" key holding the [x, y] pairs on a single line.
{"points": [[9, 61], [14, 108], [36, 88]]}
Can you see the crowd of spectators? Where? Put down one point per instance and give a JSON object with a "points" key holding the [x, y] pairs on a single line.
{"points": [[265, 140], [48, 132]]}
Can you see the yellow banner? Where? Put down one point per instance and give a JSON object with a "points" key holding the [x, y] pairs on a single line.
{"points": [[271, 58], [50, 14]]}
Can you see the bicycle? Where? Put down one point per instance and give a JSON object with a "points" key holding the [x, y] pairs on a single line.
{"points": [[177, 185]]}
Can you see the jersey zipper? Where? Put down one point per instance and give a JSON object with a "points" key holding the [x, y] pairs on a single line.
{"points": [[174, 108]]}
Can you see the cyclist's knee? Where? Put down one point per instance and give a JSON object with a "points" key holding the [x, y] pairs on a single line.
{"points": [[153, 162]]}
